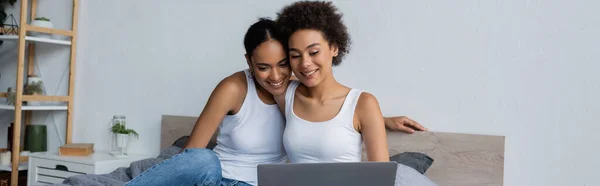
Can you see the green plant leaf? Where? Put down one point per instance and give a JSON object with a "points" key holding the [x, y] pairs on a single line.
{"points": [[120, 129], [42, 19]]}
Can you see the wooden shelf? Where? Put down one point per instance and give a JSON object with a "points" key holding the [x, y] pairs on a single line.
{"points": [[45, 98], [22, 166], [4, 106], [35, 39], [49, 30], [40, 97], [26, 57]]}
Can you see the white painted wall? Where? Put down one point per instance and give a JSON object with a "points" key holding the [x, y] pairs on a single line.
{"points": [[51, 65], [522, 69]]}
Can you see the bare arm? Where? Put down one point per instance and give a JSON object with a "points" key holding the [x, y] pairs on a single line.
{"points": [[372, 127], [224, 98]]}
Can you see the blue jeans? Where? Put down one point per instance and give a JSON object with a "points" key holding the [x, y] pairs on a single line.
{"points": [[196, 166]]}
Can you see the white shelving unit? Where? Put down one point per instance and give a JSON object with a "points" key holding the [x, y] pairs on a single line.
{"points": [[22, 166], [40, 107], [15, 38]]}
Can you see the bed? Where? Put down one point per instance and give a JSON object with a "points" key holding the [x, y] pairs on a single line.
{"points": [[459, 159]]}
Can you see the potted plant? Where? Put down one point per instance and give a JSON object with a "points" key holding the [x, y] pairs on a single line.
{"points": [[42, 22], [34, 87], [123, 134]]}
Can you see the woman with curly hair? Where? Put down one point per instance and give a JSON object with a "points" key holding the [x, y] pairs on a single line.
{"points": [[325, 120]]}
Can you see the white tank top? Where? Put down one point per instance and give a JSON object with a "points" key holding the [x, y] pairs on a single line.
{"points": [[334, 140], [250, 137]]}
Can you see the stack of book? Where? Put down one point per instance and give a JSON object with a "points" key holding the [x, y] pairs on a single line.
{"points": [[76, 149]]}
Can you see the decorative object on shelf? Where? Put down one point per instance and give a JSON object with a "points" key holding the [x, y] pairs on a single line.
{"points": [[10, 135], [120, 136], [3, 15], [76, 149], [10, 26], [5, 158], [41, 22], [10, 96], [36, 138], [34, 87]]}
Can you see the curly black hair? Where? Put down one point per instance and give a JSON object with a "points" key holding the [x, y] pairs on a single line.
{"points": [[322, 16]]}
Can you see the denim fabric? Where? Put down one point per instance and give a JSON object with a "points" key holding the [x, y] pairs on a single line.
{"points": [[197, 166], [231, 182]]}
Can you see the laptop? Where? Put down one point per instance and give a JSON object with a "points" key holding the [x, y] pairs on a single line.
{"points": [[321, 174]]}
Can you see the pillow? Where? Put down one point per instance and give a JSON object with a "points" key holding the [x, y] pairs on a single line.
{"points": [[418, 161], [183, 140]]}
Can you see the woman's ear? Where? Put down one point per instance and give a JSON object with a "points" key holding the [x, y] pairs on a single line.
{"points": [[334, 50], [248, 61]]}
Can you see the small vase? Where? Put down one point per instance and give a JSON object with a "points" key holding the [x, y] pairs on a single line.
{"points": [[36, 138], [34, 81], [10, 96], [5, 158], [41, 23], [122, 140]]}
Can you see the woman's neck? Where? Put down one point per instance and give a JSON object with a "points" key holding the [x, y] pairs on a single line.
{"points": [[324, 90]]}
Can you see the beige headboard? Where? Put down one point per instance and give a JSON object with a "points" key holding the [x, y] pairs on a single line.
{"points": [[174, 127], [459, 159]]}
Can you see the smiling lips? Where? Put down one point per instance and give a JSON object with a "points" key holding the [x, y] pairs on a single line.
{"points": [[309, 74], [276, 84]]}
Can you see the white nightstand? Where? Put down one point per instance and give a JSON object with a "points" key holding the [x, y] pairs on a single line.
{"points": [[48, 168]]}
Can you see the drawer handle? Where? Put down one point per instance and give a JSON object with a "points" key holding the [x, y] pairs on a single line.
{"points": [[62, 168]]}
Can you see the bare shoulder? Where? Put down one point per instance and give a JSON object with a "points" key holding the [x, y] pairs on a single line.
{"points": [[234, 84], [367, 101], [367, 107]]}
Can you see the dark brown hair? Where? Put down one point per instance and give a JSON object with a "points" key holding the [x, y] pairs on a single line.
{"points": [[258, 33]]}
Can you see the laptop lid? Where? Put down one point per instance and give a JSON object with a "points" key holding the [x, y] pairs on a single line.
{"points": [[321, 174]]}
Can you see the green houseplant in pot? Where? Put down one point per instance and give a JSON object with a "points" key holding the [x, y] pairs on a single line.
{"points": [[34, 87], [123, 134], [41, 22]]}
